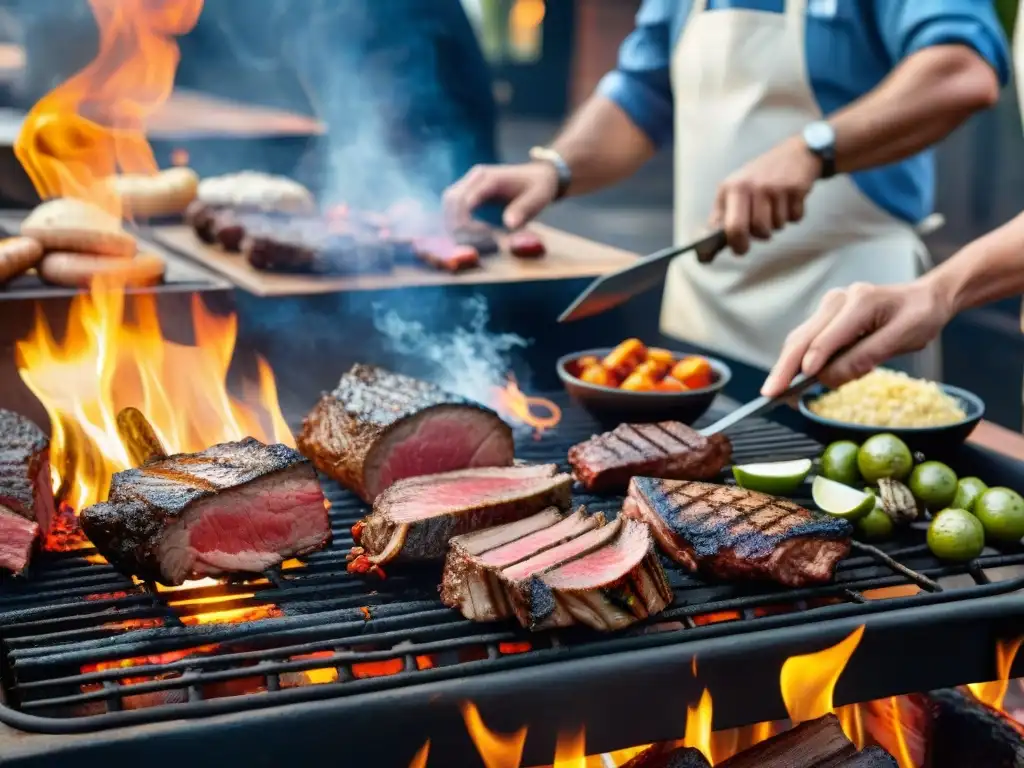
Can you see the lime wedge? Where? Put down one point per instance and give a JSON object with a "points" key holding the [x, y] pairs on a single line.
{"points": [[778, 478], [841, 500]]}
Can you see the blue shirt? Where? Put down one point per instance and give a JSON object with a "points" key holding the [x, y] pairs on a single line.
{"points": [[851, 46]]}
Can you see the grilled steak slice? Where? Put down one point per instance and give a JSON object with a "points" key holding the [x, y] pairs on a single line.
{"points": [[733, 533], [607, 589], [416, 517], [471, 581], [25, 484], [378, 427], [17, 535], [235, 507], [605, 463]]}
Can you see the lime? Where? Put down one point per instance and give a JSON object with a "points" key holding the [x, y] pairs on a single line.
{"points": [[956, 534], [778, 477], [841, 500], [875, 525], [1001, 511], [839, 462], [884, 455], [967, 492], [933, 484]]}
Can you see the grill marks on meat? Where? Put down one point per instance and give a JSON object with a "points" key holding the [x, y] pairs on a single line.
{"points": [[379, 427], [733, 533], [235, 507], [472, 573], [605, 463], [416, 518], [25, 483]]}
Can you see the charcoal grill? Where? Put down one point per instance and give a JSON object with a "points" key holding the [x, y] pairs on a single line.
{"points": [[239, 688]]}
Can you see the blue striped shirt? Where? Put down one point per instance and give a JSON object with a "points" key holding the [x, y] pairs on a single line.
{"points": [[851, 46]]}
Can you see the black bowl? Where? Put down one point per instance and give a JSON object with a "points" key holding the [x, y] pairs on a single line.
{"points": [[930, 441], [616, 406]]}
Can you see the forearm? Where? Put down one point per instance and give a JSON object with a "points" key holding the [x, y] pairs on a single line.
{"points": [[601, 145], [922, 101], [988, 269]]}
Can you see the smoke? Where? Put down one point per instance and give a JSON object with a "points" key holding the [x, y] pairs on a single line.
{"points": [[469, 361]]}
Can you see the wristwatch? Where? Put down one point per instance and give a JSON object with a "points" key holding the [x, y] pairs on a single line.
{"points": [[548, 155], [820, 138]]}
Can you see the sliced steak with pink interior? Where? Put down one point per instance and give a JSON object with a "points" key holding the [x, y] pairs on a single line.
{"points": [[26, 487], [609, 588], [17, 535], [235, 507], [471, 581], [415, 518], [379, 427]]}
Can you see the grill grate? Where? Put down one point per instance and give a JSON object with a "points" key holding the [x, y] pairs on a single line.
{"points": [[84, 648]]}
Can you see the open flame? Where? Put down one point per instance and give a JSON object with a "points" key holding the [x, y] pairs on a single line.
{"points": [[808, 682], [994, 693], [537, 412]]}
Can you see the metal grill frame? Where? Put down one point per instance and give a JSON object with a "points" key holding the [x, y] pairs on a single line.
{"points": [[953, 635]]}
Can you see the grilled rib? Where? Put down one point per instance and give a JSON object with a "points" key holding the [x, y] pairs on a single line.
{"points": [[606, 462], [734, 533]]}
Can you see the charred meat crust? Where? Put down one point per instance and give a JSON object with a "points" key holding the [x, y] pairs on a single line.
{"points": [[605, 463], [25, 469]]}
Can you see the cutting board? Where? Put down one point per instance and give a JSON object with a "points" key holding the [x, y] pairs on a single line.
{"points": [[568, 256]]}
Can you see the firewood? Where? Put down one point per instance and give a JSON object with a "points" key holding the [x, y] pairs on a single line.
{"points": [[664, 755], [968, 732], [872, 757], [808, 745]]}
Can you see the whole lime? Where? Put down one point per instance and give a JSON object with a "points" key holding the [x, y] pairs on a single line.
{"points": [[1001, 512], [839, 462], [968, 491], [884, 455], [956, 534], [933, 484], [875, 525]]}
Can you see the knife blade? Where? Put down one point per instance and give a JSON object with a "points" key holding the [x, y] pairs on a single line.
{"points": [[615, 288]]}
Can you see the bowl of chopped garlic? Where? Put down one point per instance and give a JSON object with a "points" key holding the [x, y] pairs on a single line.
{"points": [[928, 416]]}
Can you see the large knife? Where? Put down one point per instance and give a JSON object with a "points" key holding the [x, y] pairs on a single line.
{"points": [[615, 288]]}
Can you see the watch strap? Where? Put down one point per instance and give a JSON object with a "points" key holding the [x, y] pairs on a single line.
{"points": [[548, 155]]}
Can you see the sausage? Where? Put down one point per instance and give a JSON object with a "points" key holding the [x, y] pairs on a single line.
{"points": [[228, 230], [444, 253], [526, 245], [77, 270], [167, 193], [17, 256]]}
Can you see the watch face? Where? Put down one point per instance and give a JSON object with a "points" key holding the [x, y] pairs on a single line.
{"points": [[819, 136]]}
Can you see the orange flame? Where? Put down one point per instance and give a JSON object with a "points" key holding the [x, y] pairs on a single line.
{"points": [[513, 404], [993, 693], [570, 750], [497, 750], [419, 760], [94, 123], [808, 682], [698, 725]]}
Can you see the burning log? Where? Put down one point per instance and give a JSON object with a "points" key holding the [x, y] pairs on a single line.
{"points": [[968, 732], [666, 756], [814, 744]]}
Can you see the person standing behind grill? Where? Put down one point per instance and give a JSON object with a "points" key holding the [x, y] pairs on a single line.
{"points": [[745, 87]]}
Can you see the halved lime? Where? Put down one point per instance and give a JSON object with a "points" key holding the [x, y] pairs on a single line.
{"points": [[841, 500], [777, 477]]}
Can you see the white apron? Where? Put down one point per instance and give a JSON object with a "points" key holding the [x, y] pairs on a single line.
{"points": [[740, 85]]}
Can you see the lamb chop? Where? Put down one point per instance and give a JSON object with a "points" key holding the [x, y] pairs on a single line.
{"points": [[379, 427], [605, 463], [415, 518], [234, 507], [471, 581], [26, 493], [734, 533]]}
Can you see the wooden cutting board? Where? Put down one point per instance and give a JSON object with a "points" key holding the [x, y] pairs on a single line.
{"points": [[568, 256]]}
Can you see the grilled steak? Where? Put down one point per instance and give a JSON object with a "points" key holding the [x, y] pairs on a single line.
{"points": [[17, 535], [25, 484], [235, 507], [608, 588], [471, 580], [605, 463], [733, 533], [379, 427], [415, 518]]}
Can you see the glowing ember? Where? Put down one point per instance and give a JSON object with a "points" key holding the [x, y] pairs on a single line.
{"points": [[536, 412], [234, 616], [510, 648], [808, 682], [378, 668], [497, 750]]}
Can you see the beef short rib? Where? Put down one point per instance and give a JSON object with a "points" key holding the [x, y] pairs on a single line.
{"points": [[605, 463], [415, 518], [235, 507], [379, 427], [25, 484], [17, 535], [734, 533], [472, 573], [608, 588]]}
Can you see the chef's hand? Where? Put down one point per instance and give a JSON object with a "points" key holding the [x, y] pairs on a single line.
{"points": [[888, 320], [765, 194], [527, 188]]}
